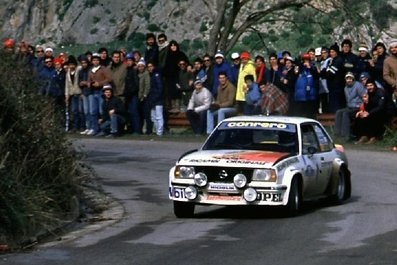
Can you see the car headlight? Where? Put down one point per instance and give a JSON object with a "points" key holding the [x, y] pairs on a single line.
{"points": [[264, 175], [184, 172], [200, 179], [250, 195], [240, 180], [191, 193]]}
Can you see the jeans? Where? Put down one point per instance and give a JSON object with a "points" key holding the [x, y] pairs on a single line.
{"points": [[157, 119], [198, 121], [134, 115], [77, 110], [221, 113], [86, 111], [113, 124], [343, 120], [95, 101], [147, 116]]}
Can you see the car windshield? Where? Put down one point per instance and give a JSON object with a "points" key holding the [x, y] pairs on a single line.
{"points": [[274, 137]]}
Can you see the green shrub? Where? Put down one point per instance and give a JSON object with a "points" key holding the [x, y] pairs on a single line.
{"points": [[37, 164]]}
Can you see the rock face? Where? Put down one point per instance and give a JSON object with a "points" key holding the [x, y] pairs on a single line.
{"points": [[92, 21]]}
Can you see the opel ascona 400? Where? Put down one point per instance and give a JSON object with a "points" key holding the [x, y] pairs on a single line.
{"points": [[261, 160]]}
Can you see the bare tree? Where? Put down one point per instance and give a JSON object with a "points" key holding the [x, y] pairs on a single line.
{"points": [[228, 25]]}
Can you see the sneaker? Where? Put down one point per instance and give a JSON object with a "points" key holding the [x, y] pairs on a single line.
{"points": [[91, 132], [84, 132], [101, 134]]}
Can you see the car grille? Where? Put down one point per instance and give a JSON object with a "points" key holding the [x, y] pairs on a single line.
{"points": [[224, 174]]}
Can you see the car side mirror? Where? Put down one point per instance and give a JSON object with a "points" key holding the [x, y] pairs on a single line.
{"points": [[312, 150]]}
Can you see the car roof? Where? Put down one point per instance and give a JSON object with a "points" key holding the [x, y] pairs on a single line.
{"points": [[263, 118]]}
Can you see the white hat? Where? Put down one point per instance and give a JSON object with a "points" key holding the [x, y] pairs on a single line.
{"points": [[289, 58], [363, 47], [107, 86], [49, 50], [393, 42], [349, 74], [141, 62], [235, 55], [219, 54], [317, 51]]}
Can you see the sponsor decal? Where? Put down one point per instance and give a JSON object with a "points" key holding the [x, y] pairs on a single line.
{"points": [[222, 187], [287, 163], [250, 157], [215, 197], [251, 124], [273, 197]]}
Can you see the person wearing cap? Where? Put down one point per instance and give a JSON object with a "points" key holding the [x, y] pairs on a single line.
{"points": [[119, 72], [198, 70], [73, 94], [131, 95], [235, 65], [99, 76], [197, 107], [48, 52], [370, 119], [144, 89], [247, 67], [390, 68], [354, 92], [58, 88], [9, 45], [112, 118], [220, 66], [364, 59], [335, 80]]}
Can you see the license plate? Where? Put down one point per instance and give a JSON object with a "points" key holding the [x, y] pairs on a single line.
{"points": [[222, 187]]}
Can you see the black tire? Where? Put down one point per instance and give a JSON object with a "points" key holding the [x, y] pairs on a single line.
{"points": [[183, 209], [343, 187], [294, 204]]}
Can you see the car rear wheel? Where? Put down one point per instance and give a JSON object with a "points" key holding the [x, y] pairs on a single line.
{"points": [[294, 198], [343, 188], [183, 209]]}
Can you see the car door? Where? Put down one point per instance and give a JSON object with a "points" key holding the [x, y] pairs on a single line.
{"points": [[317, 157]]}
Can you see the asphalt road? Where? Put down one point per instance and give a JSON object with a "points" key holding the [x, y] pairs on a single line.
{"points": [[362, 231]]}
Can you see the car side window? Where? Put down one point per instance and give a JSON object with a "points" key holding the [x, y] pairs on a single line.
{"points": [[309, 138], [323, 139]]}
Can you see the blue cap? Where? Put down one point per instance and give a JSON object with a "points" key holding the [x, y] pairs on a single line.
{"points": [[129, 56]]}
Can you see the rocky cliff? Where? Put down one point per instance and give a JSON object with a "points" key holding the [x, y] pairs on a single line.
{"points": [[92, 21]]}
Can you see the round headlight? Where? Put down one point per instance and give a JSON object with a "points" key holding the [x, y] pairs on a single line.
{"points": [[187, 172], [240, 180], [191, 193], [262, 174], [250, 195], [200, 179]]}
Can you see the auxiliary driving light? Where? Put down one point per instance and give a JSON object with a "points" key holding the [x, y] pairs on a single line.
{"points": [[240, 180], [200, 179], [191, 193], [250, 195]]}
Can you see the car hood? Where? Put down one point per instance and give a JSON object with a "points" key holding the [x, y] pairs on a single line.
{"points": [[232, 158]]}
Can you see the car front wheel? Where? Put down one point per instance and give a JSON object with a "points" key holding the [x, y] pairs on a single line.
{"points": [[183, 209], [294, 198]]}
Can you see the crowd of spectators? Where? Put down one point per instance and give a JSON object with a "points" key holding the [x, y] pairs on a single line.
{"points": [[136, 92]]}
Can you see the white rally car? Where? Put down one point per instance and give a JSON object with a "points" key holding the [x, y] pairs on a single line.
{"points": [[261, 160]]}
